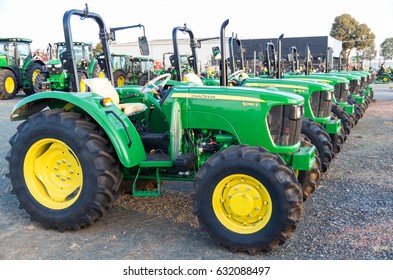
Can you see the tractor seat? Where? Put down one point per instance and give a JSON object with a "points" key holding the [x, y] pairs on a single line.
{"points": [[193, 78], [103, 87]]}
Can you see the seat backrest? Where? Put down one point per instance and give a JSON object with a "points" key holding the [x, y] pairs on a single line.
{"points": [[192, 77], [103, 87]]}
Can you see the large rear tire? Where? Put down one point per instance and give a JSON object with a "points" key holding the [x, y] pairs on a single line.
{"points": [[119, 78], [247, 199], [63, 170], [82, 85], [97, 72], [39, 79], [145, 79], [8, 84], [31, 75]]}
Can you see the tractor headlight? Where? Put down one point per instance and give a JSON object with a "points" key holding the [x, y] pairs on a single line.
{"points": [[296, 112], [56, 68], [327, 96]]}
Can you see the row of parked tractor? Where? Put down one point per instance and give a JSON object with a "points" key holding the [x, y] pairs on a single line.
{"points": [[255, 147]]}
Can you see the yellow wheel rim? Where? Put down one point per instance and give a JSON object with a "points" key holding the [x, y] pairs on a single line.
{"points": [[34, 75], [101, 75], [9, 85], [121, 81], [82, 86], [53, 174], [242, 204]]}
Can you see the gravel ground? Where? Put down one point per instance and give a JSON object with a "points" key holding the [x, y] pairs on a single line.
{"points": [[350, 217]]}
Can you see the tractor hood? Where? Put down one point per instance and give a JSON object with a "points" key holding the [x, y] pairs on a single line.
{"points": [[241, 94], [320, 78], [304, 88], [54, 62]]}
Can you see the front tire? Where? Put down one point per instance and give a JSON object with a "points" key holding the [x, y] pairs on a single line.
{"points": [[309, 179], [63, 170], [320, 139], [346, 123], [247, 199]]}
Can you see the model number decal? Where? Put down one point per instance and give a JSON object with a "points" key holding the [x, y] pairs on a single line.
{"points": [[250, 104]]}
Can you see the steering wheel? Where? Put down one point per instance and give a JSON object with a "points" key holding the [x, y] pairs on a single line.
{"points": [[165, 77], [235, 75]]}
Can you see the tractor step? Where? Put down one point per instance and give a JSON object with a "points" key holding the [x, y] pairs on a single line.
{"points": [[147, 192]]}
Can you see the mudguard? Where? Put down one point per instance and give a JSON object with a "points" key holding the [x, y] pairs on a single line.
{"points": [[119, 129]]}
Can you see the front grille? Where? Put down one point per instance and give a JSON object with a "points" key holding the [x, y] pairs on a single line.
{"points": [[341, 92], [321, 103], [284, 128], [55, 70], [354, 86]]}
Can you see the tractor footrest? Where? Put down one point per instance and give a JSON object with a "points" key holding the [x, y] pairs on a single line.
{"points": [[146, 193], [155, 191]]}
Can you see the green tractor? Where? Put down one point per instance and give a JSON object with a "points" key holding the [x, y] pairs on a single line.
{"points": [[340, 107], [72, 151], [355, 96], [132, 70], [57, 76], [318, 127], [365, 89], [307, 178], [18, 68]]}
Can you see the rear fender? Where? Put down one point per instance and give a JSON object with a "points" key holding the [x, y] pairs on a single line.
{"points": [[120, 131]]}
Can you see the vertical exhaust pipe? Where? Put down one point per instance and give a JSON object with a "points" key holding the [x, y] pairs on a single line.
{"points": [[279, 70], [224, 72]]}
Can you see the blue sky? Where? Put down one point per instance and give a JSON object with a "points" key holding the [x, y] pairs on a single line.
{"points": [[41, 20]]}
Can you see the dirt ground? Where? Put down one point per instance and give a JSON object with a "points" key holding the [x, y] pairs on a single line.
{"points": [[349, 217]]}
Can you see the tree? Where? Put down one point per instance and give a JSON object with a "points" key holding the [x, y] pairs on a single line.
{"points": [[352, 34], [344, 30], [98, 49], [364, 37], [387, 48], [369, 53]]}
